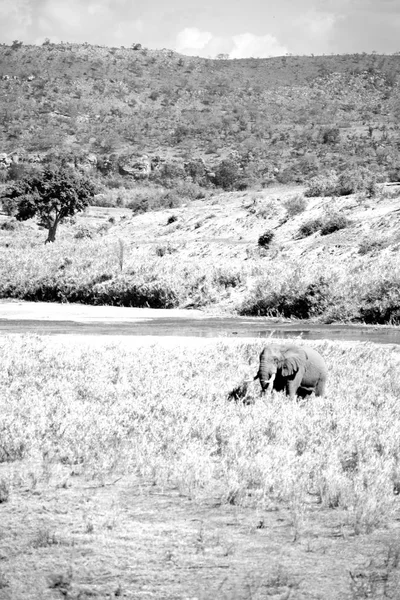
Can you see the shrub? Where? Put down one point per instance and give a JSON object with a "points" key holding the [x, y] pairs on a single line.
{"points": [[334, 222], [227, 278], [327, 224], [227, 175], [10, 225], [172, 219], [331, 135], [83, 232], [286, 176], [295, 205], [266, 238], [369, 245], [294, 299], [154, 199], [163, 249], [348, 182], [381, 303], [309, 227], [322, 185]]}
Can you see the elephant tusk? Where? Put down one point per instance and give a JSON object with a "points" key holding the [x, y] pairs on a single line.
{"points": [[270, 383]]}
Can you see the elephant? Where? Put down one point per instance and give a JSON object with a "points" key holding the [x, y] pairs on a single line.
{"points": [[296, 370]]}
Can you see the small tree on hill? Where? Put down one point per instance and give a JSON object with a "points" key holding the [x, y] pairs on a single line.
{"points": [[51, 195]]}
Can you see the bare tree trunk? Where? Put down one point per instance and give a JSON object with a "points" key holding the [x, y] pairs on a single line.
{"points": [[52, 233]]}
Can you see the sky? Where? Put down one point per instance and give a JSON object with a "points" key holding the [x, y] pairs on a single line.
{"points": [[237, 28]]}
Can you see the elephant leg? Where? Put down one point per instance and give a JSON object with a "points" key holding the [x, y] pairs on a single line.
{"points": [[292, 385], [291, 388], [320, 387]]}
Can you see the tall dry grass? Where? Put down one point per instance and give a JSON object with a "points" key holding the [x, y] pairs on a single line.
{"points": [[163, 413]]}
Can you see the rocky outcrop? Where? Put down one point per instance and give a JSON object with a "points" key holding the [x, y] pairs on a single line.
{"points": [[5, 161], [136, 167], [89, 162]]}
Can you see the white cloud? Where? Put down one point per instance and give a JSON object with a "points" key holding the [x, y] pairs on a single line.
{"points": [[97, 9], [318, 25], [67, 15], [258, 46], [191, 39], [15, 18]]}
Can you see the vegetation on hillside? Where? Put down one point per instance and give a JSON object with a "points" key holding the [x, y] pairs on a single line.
{"points": [[283, 119]]}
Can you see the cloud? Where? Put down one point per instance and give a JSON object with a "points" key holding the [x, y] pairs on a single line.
{"points": [[111, 22], [258, 46], [15, 18], [192, 41], [318, 25]]}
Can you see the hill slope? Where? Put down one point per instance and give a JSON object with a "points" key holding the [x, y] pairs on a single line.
{"points": [[287, 117]]}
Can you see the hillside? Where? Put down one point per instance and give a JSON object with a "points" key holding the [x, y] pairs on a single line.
{"points": [[284, 119]]}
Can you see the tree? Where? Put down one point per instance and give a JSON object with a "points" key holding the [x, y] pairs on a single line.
{"points": [[51, 195]]}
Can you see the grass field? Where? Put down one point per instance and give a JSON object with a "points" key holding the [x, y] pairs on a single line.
{"points": [[126, 472]]}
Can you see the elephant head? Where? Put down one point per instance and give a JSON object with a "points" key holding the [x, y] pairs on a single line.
{"points": [[279, 364]]}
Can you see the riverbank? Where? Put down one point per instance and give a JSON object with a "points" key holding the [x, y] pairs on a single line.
{"points": [[250, 253]]}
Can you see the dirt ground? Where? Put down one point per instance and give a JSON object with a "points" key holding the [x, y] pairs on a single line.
{"points": [[126, 538]]}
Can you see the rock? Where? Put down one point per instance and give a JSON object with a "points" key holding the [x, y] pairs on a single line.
{"points": [[139, 168], [5, 161], [89, 162]]}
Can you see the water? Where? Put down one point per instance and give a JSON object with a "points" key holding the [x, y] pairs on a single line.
{"points": [[208, 327]]}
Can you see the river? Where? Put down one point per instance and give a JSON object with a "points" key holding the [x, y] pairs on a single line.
{"points": [[57, 319]]}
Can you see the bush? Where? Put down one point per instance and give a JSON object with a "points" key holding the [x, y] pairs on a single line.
{"points": [[381, 303], [348, 182], [294, 299], [10, 225], [266, 238], [163, 249], [322, 185], [327, 224], [227, 175], [309, 227], [334, 222], [227, 278], [154, 199], [331, 135], [352, 181], [83, 232], [369, 245], [295, 205]]}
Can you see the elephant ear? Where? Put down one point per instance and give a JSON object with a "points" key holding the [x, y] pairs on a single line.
{"points": [[293, 360]]}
